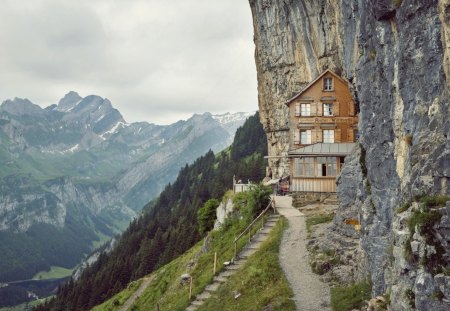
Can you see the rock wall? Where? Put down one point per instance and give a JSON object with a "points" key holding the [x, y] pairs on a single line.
{"points": [[395, 54]]}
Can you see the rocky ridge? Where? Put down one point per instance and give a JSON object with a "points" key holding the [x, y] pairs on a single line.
{"points": [[395, 55], [80, 163]]}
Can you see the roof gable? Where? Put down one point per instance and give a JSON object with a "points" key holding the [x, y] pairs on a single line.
{"points": [[314, 82]]}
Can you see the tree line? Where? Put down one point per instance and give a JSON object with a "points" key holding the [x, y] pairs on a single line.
{"points": [[168, 226]]}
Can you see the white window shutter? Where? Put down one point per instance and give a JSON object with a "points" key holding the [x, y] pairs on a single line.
{"points": [[351, 108], [336, 109], [296, 137], [337, 135], [319, 109]]}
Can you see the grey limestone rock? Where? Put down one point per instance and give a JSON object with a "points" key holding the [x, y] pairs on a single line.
{"points": [[396, 59]]}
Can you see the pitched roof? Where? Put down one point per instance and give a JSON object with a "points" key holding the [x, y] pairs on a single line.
{"points": [[312, 83], [325, 149]]}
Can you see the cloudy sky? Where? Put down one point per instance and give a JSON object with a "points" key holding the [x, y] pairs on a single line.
{"points": [[156, 60]]}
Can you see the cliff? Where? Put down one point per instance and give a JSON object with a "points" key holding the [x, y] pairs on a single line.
{"points": [[395, 55]]}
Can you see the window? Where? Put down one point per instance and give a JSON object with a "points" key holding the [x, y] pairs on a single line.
{"points": [[328, 136], [326, 166], [305, 110], [304, 166], [327, 84], [328, 110], [305, 137]]}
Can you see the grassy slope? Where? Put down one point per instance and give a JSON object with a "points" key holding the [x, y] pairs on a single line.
{"points": [[261, 283], [54, 273]]}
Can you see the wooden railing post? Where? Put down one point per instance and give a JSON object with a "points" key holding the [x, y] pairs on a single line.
{"points": [[215, 262], [250, 226], [190, 289]]}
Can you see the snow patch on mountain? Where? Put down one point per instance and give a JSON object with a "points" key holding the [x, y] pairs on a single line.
{"points": [[119, 125], [232, 117]]}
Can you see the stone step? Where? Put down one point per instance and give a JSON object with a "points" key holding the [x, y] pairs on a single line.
{"points": [[270, 225], [212, 287], [271, 219], [247, 253], [252, 246], [237, 265], [260, 239], [203, 296], [197, 303], [227, 273], [220, 279], [265, 230]]}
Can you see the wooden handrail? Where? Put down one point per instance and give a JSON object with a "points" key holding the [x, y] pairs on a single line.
{"points": [[249, 227]]}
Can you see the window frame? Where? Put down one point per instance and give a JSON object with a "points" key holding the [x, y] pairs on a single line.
{"points": [[307, 109], [326, 136], [304, 167], [329, 164], [327, 87], [308, 135], [331, 105]]}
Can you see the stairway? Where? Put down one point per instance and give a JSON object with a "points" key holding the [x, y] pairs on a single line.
{"points": [[234, 267]]}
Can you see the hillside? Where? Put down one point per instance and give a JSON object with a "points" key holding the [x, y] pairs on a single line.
{"points": [[260, 281], [73, 175], [168, 226]]}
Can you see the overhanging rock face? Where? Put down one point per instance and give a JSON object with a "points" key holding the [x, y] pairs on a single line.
{"points": [[396, 57]]}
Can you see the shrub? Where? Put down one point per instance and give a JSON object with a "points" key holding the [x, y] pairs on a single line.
{"points": [[258, 199], [351, 297], [411, 296], [397, 3], [206, 215], [424, 220], [318, 219], [403, 207], [434, 201]]}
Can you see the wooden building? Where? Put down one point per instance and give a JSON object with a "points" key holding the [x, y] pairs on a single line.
{"points": [[323, 129]]}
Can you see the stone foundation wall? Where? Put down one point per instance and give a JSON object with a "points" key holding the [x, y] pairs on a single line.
{"points": [[300, 199]]}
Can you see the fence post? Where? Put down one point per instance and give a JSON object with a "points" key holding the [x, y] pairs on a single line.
{"points": [[215, 262], [190, 289], [235, 250]]}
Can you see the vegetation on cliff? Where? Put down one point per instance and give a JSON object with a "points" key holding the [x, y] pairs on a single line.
{"points": [[261, 282], [168, 226]]}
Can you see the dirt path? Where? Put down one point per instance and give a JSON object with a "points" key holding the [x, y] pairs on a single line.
{"points": [[145, 283], [310, 294]]}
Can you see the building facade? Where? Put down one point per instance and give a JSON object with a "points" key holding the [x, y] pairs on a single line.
{"points": [[323, 130]]}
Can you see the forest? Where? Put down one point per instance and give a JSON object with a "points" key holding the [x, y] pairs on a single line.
{"points": [[168, 225]]}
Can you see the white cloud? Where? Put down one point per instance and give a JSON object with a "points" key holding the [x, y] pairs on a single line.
{"points": [[155, 60]]}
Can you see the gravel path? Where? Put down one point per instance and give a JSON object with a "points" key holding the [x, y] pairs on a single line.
{"points": [[310, 294]]}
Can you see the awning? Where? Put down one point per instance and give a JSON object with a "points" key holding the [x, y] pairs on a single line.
{"points": [[324, 149]]}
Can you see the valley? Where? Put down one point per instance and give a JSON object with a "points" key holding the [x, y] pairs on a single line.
{"points": [[75, 174]]}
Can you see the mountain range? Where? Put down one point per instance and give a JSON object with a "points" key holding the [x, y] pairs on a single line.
{"points": [[74, 174]]}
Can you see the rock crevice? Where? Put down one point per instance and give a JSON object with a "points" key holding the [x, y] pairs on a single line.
{"points": [[395, 55]]}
